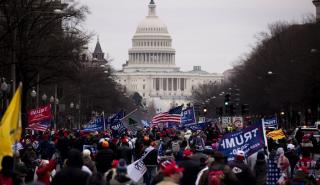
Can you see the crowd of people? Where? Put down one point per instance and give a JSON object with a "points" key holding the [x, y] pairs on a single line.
{"points": [[170, 156]]}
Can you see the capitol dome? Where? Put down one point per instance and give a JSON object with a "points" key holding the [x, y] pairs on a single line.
{"points": [[151, 45], [152, 23]]}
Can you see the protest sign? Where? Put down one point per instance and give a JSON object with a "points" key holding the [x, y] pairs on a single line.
{"points": [[226, 121], [136, 170], [188, 117], [237, 121], [199, 126], [93, 149], [270, 122], [249, 140]]}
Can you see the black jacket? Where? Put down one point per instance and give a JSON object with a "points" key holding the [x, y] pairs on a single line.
{"points": [[243, 172], [191, 170]]}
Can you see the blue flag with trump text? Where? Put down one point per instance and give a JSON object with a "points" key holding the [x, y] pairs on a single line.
{"points": [[188, 117], [270, 121], [250, 140], [96, 124], [116, 126]]}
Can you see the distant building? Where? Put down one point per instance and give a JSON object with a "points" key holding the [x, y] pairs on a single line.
{"points": [[97, 59], [151, 70], [227, 75]]}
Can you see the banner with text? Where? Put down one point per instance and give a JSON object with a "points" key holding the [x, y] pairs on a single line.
{"points": [[226, 120], [39, 114], [188, 117], [249, 140], [270, 122], [199, 126], [116, 125], [96, 124], [136, 170]]}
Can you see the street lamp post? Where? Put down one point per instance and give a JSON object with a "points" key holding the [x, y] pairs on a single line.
{"points": [[44, 98], [33, 95], [71, 115], [54, 102], [4, 92], [79, 119]]}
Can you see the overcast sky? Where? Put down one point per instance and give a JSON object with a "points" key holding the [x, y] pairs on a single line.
{"points": [[210, 33]]}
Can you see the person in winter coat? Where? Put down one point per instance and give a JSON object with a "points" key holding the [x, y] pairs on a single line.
{"points": [[44, 170], [260, 169], [86, 155], [72, 173], [150, 160], [104, 158], [218, 165], [284, 166], [242, 170], [118, 175], [302, 177], [191, 168], [292, 157], [29, 157], [306, 161], [124, 151], [172, 174], [6, 173]]}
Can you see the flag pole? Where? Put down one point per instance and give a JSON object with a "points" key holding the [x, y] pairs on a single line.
{"points": [[104, 121], [129, 114]]}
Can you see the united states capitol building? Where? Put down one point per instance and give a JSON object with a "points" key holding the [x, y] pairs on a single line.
{"points": [[151, 70]]}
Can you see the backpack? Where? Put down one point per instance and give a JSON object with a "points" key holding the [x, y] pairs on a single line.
{"points": [[215, 176]]}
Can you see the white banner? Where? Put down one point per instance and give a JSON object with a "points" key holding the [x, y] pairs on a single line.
{"points": [[136, 170], [226, 121]]}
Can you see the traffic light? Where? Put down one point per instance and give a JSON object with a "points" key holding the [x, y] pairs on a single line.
{"points": [[219, 111], [227, 99], [244, 109]]}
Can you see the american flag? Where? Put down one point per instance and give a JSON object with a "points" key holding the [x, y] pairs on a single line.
{"points": [[40, 126], [172, 116]]}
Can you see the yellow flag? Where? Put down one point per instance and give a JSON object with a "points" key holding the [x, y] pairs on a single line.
{"points": [[10, 127], [276, 134]]}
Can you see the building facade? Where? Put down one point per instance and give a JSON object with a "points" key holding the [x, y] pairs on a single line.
{"points": [[151, 70]]}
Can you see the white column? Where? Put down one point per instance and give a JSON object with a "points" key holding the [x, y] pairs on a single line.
{"points": [[140, 58], [167, 58], [161, 58], [174, 58], [178, 84]]}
